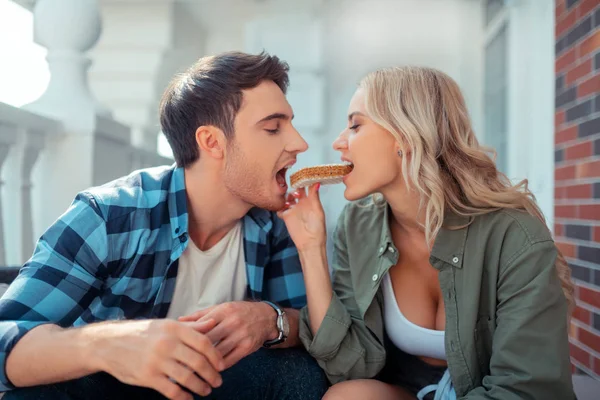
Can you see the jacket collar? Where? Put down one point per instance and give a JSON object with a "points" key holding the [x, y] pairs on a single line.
{"points": [[448, 246]]}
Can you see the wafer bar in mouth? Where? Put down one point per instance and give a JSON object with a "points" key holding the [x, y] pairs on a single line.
{"points": [[328, 174]]}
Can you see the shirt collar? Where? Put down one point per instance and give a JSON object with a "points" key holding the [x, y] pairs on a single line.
{"points": [[177, 203], [449, 245]]}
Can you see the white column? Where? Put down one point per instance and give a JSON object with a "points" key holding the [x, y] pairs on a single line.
{"points": [[68, 29], [23, 157]]}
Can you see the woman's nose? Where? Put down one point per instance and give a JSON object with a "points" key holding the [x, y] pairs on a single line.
{"points": [[341, 142]]}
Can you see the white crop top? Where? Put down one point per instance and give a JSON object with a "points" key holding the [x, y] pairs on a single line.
{"points": [[407, 336]]}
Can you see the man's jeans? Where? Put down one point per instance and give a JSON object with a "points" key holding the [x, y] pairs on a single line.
{"points": [[267, 374]]}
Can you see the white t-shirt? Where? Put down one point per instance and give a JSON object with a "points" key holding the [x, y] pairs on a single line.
{"points": [[214, 276]]}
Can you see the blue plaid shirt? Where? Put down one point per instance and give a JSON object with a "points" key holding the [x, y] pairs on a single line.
{"points": [[114, 255]]}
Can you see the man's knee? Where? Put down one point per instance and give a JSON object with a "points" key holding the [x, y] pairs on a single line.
{"points": [[298, 375], [274, 374]]}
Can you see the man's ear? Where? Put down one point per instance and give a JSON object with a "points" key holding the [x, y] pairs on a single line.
{"points": [[211, 141]]}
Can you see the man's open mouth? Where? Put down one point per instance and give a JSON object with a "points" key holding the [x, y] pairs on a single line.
{"points": [[280, 176]]}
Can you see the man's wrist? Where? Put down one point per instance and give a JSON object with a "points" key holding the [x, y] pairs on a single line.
{"points": [[271, 330], [97, 340]]}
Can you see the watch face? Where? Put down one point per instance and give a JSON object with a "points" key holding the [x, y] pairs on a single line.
{"points": [[285, 325]]}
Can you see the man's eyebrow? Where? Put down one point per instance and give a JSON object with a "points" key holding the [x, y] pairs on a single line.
{"points": [[355, 113], [276, 116]]}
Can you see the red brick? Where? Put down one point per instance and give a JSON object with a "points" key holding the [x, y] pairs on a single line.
{"points": [[589, 296], [589, 45], [590, 339], [565, 23], [585, 7], [573, 330], [558, 230], [567, 250], [569, 211], [579, 191], [560, 9], [589, 211], [580, 355], [589, 169], [589, 86], [564, 173], [582, 315], [596, 365], [565, 61], [566, 135], [559, 118], [579, 71], [559, 193], [596, 234], [580, 150]]}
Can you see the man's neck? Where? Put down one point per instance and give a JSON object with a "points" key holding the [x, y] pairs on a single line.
{"points": [[212, 210]]}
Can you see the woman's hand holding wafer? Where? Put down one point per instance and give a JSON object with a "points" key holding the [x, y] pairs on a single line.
{"points": [[305, 219]]}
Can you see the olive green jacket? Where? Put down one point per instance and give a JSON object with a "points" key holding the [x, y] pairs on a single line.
{"points": [[506, 315]]}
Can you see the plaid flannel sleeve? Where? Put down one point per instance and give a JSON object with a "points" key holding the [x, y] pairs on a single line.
{"points": [[59, 281], [285, 285]]}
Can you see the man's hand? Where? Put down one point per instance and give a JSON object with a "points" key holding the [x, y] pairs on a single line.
{"points": [[242, 327], [161, 354]]}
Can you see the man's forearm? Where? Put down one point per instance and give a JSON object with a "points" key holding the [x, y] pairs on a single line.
{"points": [[48, 354]]}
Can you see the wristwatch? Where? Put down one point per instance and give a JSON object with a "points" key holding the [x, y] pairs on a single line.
{"points": [[283, 326]]}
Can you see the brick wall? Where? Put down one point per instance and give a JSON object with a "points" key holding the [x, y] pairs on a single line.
{"points": [[577, 169]]}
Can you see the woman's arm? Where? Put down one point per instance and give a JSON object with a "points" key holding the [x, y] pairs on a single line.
{"points": [[318, 285], [530, 351], [331, 326]]}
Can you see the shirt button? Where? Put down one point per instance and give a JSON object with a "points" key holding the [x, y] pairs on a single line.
{"points": [[183, 238], [391, 249], [455, 260], [375, 276], [381, 250]]}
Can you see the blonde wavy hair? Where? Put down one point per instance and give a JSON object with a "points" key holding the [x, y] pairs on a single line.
{"points": [[425, 111]]}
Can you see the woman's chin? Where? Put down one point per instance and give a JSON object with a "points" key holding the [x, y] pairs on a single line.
{"points": [[350, 195]]}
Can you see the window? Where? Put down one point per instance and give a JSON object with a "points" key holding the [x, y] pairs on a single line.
{"points": [[496, 86], [495, 97]]}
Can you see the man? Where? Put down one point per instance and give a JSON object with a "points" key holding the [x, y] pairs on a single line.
{"points": [[198, 243]]}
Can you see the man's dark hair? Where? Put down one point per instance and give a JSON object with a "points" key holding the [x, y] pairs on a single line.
{"points": [[210, 93]]}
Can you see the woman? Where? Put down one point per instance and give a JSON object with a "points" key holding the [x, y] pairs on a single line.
{"points": [[446, 281]]}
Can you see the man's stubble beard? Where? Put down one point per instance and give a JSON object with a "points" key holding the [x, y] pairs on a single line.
{"points": [[242, 178]]}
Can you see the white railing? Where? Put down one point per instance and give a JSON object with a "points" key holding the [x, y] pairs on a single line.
{"points": [[31, 195], [65, 141], [23, 136]]}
